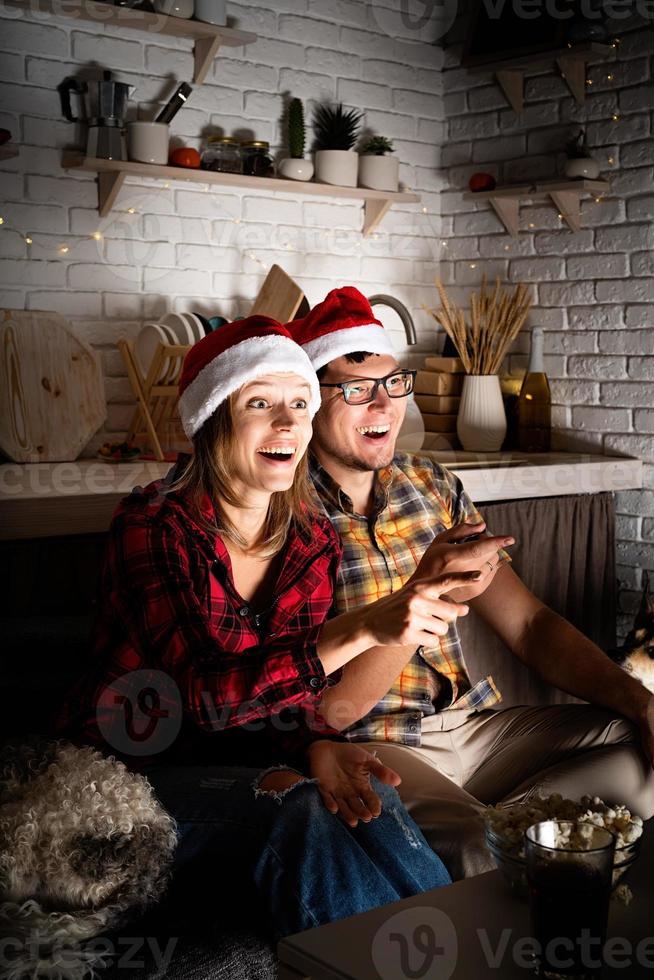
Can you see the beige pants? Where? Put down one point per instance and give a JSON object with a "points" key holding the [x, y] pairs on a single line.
{"points": [[470, 759]]}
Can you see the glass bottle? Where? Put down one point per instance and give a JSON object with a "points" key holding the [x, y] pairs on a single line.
{"points": [[535, 402]]}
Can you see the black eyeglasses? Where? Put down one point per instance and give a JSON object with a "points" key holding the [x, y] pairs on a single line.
{"points": [[360, 391]]}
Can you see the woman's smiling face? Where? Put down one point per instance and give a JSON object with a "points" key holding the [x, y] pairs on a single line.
{"points": [[271, 432]]}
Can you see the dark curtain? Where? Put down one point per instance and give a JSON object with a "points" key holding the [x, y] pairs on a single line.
{"points": [[564, 553]]}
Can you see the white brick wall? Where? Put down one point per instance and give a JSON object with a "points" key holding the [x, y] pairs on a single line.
{"points": [[599, 281], [185, 246]]}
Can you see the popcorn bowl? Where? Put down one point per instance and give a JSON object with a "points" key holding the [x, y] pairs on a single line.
{"points": [[506, 826]]}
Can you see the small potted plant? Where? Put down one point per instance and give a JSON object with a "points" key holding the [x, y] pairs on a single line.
{"points": [[580, 163], [336, 130], [295, 167], [376, 170]]}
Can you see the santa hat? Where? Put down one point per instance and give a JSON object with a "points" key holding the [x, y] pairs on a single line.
{"points": [[342, 324], [232, 355]]}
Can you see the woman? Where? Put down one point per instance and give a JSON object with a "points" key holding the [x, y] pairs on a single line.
{"points": [[212, 649]]}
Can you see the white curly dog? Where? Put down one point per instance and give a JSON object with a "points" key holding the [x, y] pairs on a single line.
{"points": [[84, 846]]}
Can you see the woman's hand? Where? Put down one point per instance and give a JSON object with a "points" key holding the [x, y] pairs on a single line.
{"points": [[343, 771], [418, 611], [450, 552]]}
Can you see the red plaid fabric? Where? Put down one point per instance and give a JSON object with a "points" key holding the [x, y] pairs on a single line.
{"points": [[182, 666]]}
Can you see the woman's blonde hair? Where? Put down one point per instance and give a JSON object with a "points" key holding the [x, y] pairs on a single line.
{"points": [[208, 473]]}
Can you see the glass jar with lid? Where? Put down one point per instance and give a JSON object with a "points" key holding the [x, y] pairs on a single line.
{"points": [[223, 154], [257, 161]]}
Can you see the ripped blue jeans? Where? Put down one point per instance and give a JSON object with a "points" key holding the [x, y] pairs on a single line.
{"points": [[300, 864]]}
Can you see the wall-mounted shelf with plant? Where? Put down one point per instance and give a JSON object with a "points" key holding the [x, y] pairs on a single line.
{"points": [[207, 38], [564, 194], [112, 174]]}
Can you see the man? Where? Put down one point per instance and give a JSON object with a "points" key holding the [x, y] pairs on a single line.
{"points": [[399, 516]]}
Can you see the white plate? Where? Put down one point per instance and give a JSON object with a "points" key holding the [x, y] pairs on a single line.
{"points": [[173, 362], [146, 346], [196, 326], [180, 326]]}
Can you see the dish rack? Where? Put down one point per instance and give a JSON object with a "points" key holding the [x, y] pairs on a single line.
{"points": [[155, 418]]}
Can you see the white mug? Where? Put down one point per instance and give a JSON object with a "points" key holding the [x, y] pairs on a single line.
{"points": [[211, 11], [147, 142]]}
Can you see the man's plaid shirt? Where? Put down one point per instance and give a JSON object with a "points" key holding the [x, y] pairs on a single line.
{"points": [[415, 499]]}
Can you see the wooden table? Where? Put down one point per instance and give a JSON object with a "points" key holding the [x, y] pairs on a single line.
{"points": [[480, 930]]}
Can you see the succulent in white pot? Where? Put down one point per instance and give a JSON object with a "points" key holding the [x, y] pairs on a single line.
{"points": [[295, 167], [580, 163], [336, 131], [377, 170]]}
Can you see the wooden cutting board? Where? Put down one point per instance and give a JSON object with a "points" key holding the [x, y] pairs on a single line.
{"points": [[279, 297], [51, 390]]}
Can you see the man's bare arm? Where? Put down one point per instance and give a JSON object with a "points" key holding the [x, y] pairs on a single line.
{"points": [[559, 653]]}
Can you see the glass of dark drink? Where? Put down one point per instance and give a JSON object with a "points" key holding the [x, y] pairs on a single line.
{"points": [[569, 871]]}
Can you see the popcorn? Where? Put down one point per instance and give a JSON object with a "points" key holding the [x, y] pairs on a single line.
{"points": [[510, 822]]}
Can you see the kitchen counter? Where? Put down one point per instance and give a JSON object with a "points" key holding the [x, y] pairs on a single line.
{"points": [[515, 476], [51, 499]]}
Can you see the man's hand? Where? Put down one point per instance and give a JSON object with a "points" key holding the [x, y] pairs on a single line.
{"points": [[416, 612], [449, 552], [343, 770]]}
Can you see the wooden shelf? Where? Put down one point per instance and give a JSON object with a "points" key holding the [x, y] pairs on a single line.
{"points": [[571, 60], [207, 38], [8, 151], [564, 194], [112, 174]]}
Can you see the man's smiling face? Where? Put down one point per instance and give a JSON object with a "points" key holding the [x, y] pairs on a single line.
{"points": [[360, 437]]}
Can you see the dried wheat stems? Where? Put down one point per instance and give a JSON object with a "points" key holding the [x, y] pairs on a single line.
{"points": [[496, 318]]}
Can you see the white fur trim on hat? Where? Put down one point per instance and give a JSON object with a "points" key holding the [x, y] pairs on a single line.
{"points": [[370, 337], [241, 363]]}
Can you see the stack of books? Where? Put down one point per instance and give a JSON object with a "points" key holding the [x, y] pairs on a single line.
{"points": [[437, 395]]}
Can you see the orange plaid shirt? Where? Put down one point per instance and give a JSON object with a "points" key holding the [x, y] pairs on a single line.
{"points": [[415, 499]]}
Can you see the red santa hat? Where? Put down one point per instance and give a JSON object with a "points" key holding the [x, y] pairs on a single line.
{"points": [[233, 354], [342, 324]]}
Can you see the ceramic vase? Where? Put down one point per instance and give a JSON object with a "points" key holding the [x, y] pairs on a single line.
{"points": [[481, 423], [587, 167], [380, 173], [338, 167], [295, 168]]}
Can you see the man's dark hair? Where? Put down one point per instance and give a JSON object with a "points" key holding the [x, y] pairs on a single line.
{"points": [[356, 357]]}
